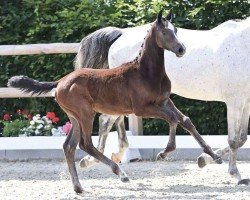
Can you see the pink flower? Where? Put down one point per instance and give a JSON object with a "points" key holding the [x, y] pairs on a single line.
{"points": [[66, 128]]}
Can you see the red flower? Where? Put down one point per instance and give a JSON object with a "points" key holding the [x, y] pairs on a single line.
{"points": [[55, 120], [29, 116], [6, 117], [25, 113], [19, 111], [51, 115]]}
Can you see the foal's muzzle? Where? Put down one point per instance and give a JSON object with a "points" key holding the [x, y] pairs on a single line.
{"points": [[180, 50]]}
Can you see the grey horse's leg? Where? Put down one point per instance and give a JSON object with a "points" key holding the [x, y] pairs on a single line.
{"points": [[122, 138], [238, 118], [105, 124], [186, 123], [69, 147]]}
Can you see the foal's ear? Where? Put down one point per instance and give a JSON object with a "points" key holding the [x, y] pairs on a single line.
{"points": [[159, 16], [170, 16]]}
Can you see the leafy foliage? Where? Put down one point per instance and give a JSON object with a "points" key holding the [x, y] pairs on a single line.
{"points": [[12, 129], [48, 21]]}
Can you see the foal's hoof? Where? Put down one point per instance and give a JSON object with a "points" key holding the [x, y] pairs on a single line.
{"points": [[78, 189], [115, 157], [219, 160], [201, 162], [124, 179], [87, 161], [244, 182], [160, 156]]}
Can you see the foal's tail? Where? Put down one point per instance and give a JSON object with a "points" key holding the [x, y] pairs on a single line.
{"points": [[94, 48], [28, 85]]}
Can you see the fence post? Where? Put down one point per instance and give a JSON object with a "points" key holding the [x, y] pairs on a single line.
{"points": [[135, 124]]}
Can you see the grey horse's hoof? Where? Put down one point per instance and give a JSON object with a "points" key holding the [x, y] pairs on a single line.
{"points": [[244, 182], [78, 189], [88, 161], [201, 162], [160, 156]]}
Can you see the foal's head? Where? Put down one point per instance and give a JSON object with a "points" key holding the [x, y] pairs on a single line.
{"points": [[166, 37]]}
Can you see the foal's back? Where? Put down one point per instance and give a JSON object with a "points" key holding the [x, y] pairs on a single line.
{"points": [[106, 90]]}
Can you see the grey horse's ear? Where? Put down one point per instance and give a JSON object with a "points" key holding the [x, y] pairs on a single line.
{"points": [[159, 16], [170, 16]]}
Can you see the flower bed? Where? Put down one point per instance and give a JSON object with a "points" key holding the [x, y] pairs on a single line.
{"points": [[22, 123]]}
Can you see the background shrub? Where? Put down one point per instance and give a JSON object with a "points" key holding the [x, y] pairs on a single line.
{"points": [[12, 129]]}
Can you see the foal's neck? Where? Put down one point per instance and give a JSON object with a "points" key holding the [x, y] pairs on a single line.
{"points": [[151, 61]]}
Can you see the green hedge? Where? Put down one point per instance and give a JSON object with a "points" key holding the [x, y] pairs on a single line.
{"points": [[48, 21]]}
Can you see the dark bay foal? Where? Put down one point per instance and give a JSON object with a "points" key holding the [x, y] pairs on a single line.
{"points": [[141, 87]]}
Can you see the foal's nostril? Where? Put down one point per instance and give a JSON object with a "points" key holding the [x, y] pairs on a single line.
{"points": [[181, 50]]}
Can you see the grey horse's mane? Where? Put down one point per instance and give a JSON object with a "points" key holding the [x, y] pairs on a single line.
{"points": [[93, 51]]}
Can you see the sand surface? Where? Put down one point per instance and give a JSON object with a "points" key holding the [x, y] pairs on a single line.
{"points": [[148, 180]]}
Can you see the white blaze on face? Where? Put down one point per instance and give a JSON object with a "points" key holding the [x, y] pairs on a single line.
{"points": [[171, 27]]}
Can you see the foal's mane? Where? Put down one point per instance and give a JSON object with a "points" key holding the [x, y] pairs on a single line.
{"points": [[142, 45]]}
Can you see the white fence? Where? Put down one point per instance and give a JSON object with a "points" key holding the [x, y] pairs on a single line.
{"points": [[135, 123]]}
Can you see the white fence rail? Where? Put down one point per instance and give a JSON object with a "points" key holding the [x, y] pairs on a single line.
{"points": [[15, 93], [31, 49]]}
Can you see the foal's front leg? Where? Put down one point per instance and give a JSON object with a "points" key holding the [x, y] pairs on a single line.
{"points": [[171, 146], [186, 123], [162, 112]]}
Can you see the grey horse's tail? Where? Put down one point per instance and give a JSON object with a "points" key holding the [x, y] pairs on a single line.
{"points": [[94, 48], [28, 85]]}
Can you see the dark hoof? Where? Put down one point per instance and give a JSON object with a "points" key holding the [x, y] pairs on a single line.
{"points": [[78, 189], [219, 160], [125, 179], [201, 162], [160, 156], [244, 182]]}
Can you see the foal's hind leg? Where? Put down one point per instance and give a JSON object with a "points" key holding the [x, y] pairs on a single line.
{"points": [[105, 124], [86, 117], [69, 147], [186, 123], [204, 159], [122, 138]]}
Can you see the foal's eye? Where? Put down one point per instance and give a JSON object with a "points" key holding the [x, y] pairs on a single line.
{"points": [[175, 30]]}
